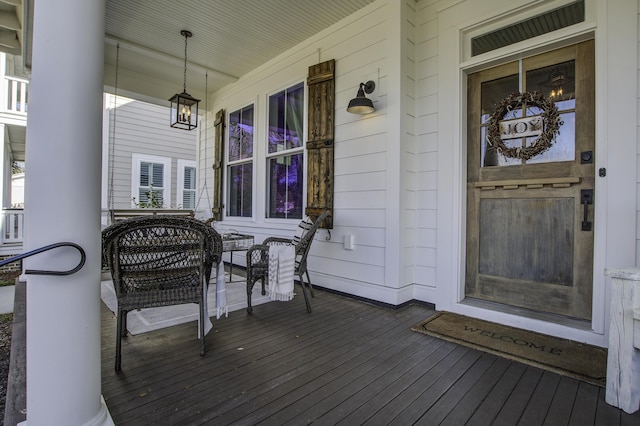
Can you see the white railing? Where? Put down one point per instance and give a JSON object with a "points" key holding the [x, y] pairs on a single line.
{"points": [[12, 225], [16, 90]]}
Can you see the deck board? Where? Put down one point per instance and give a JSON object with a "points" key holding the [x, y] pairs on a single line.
{"points": [[560, 409], [492, 404], [348, 362]]}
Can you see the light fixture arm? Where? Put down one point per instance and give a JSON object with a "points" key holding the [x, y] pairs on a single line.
{"points": [[187, 34], [368, 87]]}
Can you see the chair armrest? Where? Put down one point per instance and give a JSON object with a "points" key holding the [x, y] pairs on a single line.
{"points": [[276, 240], [257, 254]]}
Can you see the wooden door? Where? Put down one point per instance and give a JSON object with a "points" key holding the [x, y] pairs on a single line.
{"points": [[530, 213]]}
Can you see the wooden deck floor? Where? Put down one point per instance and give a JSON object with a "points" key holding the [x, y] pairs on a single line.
{"points": [[347, 363]]}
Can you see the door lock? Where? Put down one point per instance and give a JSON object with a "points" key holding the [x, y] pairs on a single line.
{"points": [[586, 198]]}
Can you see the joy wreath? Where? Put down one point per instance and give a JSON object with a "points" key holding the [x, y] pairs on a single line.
{"points": [[550, 119]]}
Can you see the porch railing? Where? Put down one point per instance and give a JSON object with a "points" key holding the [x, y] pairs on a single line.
{"points": [[12, 226], [17, 96]]}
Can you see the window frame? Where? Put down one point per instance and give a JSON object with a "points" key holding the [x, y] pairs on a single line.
{"points": [[250, 160], [136, 162], [182, 165], [266, 156]]}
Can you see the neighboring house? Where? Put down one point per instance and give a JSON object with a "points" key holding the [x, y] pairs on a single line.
{"points": [[145, 162], [17, 190], [13, 124]]}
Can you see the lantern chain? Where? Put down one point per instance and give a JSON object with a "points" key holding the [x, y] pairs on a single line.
{"points": [[113, 131]]}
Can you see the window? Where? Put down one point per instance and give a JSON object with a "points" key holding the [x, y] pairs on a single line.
{"points": [[240, 163], [557, 82], [186, 195], [151, 181], [553, 20], [285, 153]]}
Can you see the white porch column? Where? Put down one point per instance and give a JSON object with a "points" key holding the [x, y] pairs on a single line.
{"points": [[5, 170], [62, 203]]}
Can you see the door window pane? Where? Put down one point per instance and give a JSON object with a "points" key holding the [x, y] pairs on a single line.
{"points": [[492, 92], [557, 82]]}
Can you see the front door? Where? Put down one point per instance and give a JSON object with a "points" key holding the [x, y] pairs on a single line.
{"points": [[530, 182]]}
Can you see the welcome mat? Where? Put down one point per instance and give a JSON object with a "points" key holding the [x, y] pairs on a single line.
{"points": [[567, 357]]}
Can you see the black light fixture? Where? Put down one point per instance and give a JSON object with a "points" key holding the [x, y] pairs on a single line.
{"points": [[184, 107], [361, 104]]}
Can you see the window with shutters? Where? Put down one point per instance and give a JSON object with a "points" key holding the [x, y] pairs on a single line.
{"points": [[285, 153], [240, 163], [186, 194], [150, 181]]}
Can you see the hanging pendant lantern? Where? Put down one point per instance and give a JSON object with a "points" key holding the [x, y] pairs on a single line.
{"points": [[184, 107]]}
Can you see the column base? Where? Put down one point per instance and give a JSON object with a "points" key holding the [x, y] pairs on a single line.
{"points": [[103, 418]]}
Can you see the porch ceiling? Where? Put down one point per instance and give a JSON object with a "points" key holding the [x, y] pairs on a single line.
{"points": [[230, 38], [17, 136]]}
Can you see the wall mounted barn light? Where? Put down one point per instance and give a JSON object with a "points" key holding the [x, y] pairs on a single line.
{"points": [[184, 107], [361, 104]]}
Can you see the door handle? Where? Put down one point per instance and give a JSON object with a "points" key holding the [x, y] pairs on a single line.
{"points": [[586, 198]]}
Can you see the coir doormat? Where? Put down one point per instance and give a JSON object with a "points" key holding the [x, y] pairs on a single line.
{"points": [[578, 360]]}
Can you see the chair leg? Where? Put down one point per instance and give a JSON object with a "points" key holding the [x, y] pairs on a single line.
{"points": [[310, 286], [124, 330], [250, 284], [304, 292], [119, 325], [201, 328]]}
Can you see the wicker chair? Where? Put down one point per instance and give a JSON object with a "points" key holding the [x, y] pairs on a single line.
{"points": [[159, 261], [258, 259]]}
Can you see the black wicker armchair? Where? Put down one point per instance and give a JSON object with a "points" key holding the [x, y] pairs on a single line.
{"points": [[159, 261], [258, 259]]}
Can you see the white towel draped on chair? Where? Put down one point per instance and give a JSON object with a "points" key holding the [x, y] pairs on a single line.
{"points": [[221, 293], [281, 269]]}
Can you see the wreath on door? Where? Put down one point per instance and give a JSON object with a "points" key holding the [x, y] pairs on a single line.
{"points": [[550, 120]]}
